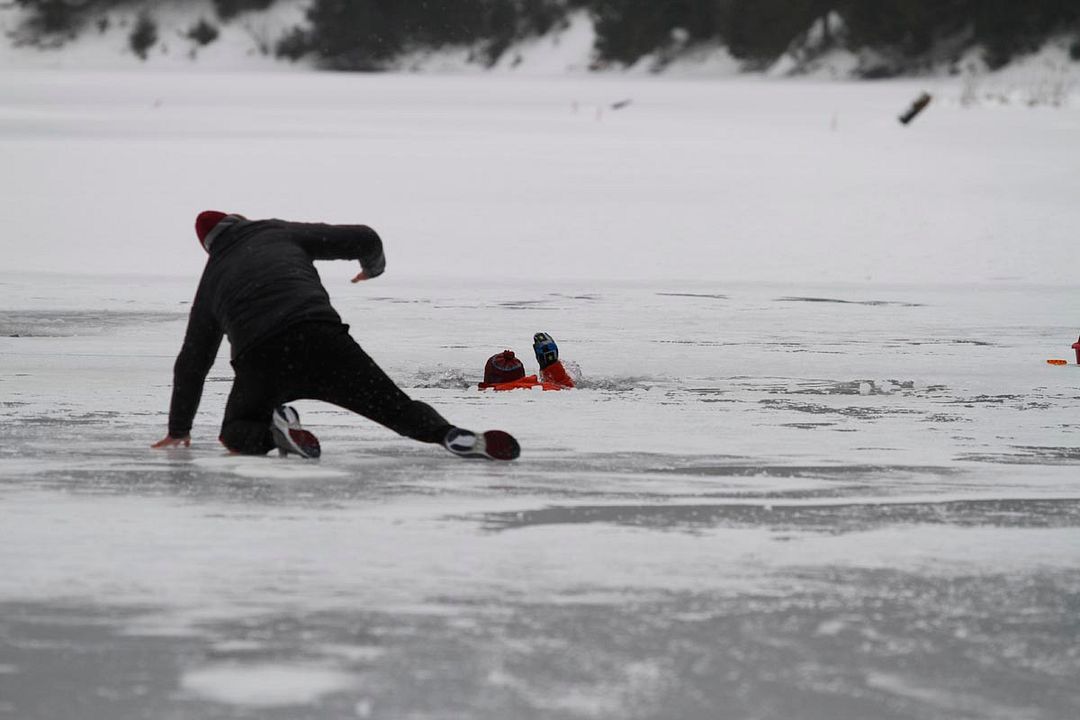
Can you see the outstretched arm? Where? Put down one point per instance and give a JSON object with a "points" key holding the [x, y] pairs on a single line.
{"points": [[547, 355], [201, 343], [343, 242]]}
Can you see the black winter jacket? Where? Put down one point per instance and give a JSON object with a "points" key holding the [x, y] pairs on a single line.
{"points": [[260, 280]]}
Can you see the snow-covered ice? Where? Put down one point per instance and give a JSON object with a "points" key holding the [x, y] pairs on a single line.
{"points": [[818, 466]]}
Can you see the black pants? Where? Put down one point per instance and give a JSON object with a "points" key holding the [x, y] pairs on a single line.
{"points": [[317, 361]]}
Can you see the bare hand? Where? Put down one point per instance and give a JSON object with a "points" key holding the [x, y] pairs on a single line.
{"points": [[362, 275], [169, 441]]}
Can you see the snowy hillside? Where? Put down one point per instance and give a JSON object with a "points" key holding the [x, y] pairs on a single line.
{"points": [[192, 36], [247, 43], [244, 43]]}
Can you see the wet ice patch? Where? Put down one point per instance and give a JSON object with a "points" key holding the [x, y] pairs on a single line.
{"points": [[269, 468], [355, 653], [72, 323], [951, 701], [617, 383], [447, 378], [848, 387], [870, 303], [828, 517], [941, 549], [265, 685], [237, 648], [523, 304], [706, 296], [854, 411], [1028, 456]]}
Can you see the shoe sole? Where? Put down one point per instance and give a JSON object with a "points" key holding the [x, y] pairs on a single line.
{"points": [[491, 445], [299, 442], [499, 445]]}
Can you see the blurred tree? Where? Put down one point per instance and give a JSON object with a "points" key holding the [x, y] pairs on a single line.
{"points": [[362, 34], [353, 34], [906, 26], [365, 34], [294, 44], [761, 30], [54, 16], [203, 32], [1003, 27], [628, 29], [228, 9], [143, 35], [1006, 28]]}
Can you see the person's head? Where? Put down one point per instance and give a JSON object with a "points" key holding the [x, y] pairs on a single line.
{"points": [[502, 368], [209, 224]]}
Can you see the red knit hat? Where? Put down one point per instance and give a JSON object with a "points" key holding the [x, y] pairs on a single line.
{"points": [[206, 222], [503, 368]]}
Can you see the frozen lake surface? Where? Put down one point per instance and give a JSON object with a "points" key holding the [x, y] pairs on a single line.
{"points": [[789, 502], [818, 466]]}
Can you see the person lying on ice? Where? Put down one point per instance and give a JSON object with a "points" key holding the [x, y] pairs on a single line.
{"points": [[261, 290], [505, 372]]}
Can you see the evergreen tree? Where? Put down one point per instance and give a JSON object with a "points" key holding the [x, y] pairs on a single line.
{"points": [[353, 34], [628, 29], [761, 30]]}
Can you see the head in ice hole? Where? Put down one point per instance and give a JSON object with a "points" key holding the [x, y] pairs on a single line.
{"points": [[211, 223], [505, 372], [502, 368]]}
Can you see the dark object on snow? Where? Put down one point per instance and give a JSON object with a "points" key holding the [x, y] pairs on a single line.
{"points": [[916, 107], [621, 104], [1076, 347]]}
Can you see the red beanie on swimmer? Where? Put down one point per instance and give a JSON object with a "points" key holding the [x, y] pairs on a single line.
{"points": [[502, 368]]}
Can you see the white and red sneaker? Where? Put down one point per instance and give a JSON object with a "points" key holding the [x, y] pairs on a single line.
{"points": [[290, 437], [493, 444]]}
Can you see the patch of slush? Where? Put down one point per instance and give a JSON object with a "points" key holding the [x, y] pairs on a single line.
{"points": [[951, 703], [869, 303], [834, 517], [265, 685], [266, 468], [53, 323]]}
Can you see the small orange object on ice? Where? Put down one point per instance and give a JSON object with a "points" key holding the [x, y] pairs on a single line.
{"points": [[1058, 362]]}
